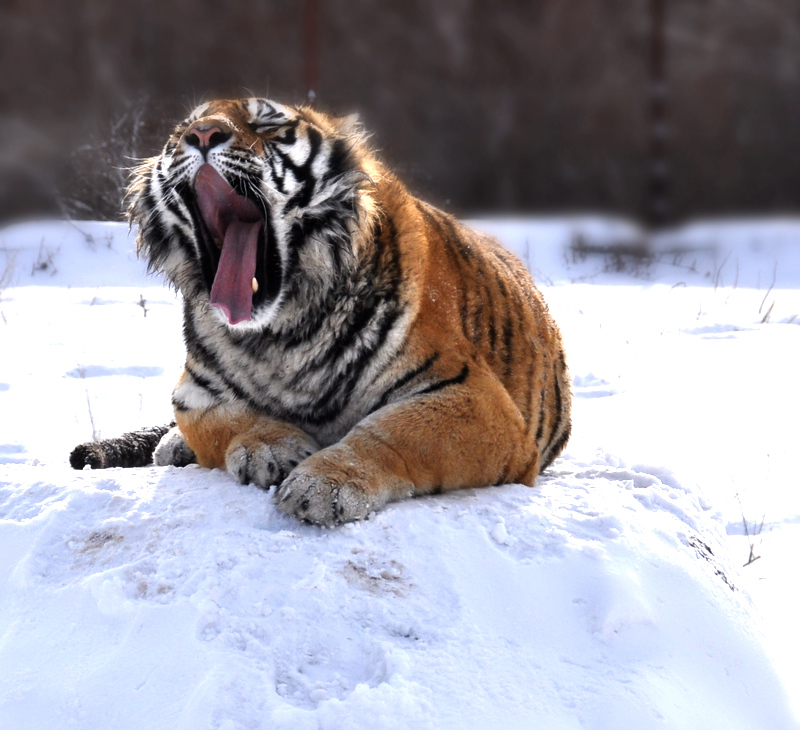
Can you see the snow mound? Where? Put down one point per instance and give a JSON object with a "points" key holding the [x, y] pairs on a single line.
{"points": [[165, 597]]}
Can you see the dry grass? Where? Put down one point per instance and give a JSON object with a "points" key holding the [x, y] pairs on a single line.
{"points": [[6, 277], [753, 533]]}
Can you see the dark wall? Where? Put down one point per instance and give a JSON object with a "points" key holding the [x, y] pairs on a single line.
{"points": [[509, 105]]}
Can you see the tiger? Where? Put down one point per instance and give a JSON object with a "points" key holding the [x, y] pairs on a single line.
{"points": [[346, 342]]}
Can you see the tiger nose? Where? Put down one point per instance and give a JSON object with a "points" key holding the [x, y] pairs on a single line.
{"points": [[206, 135]]}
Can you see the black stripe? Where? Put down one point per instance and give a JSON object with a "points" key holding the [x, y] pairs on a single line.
{"points": [[301, 232], [379, 307], [209, 359], [464, 312], [277, 178], [290, 135], [507, 259], [477, 320], [508, 346], [502, 286], [540, 430], [378, 313], [551, 449], [527, 408], [338, 394], [376, 307], [457, 255], [338, 160], [443, 227], [505, 323], [505, 474], [364, 318], [327, 302], [153, 236], [333, 223], [146, 201], [498, 330], [173, 206], [405, 379], [269, 270], [555, 450], [203, 382], [452, 234], [483, 301], [558, 405], [457, 380], [302, 173], [309, 328], [383, 277]]}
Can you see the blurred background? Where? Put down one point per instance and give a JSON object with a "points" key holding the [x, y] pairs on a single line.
{"points": [[654, 109]]}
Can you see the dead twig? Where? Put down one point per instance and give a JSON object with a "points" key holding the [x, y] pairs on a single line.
{"points": [[719, 270], [774, 279], [95, 432], [752, 557]]}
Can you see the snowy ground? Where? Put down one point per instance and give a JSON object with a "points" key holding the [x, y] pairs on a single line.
{"points": [[611, 596]]}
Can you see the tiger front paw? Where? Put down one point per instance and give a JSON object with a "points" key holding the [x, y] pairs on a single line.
{"points": [[321, 500], [253, 461], [336, 486]]}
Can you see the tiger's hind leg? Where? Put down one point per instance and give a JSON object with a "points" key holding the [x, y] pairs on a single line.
{"points": [[172, 450]]}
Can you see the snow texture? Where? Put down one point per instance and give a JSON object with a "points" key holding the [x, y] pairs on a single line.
{"points": [[611, 596]]}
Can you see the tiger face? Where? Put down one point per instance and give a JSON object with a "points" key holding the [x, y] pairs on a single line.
{"points": [[345, 341], [228, 207]]}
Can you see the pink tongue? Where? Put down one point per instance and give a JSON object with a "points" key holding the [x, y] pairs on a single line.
{"points": [[234, 222], [232, 291]]}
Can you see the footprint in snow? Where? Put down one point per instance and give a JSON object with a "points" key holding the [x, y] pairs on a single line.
{"points": [[12, 454], [590, 386], [100, 371]]}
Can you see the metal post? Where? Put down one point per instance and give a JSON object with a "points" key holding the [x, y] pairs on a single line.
{"points": [[658, 202]]}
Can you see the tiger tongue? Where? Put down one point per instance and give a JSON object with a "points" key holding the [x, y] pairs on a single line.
{"points": [[235, 223], [232, 290]]}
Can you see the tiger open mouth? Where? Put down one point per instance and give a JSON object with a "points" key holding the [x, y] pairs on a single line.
{"points": [[236, 247]]}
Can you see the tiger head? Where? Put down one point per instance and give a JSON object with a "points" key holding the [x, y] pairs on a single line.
{"points": [[253, 207]]}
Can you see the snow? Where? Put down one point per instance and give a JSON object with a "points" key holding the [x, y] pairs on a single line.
{"points": [[613, 595]]}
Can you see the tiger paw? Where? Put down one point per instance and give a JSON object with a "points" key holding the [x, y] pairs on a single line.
{"points": [[323, 500], [253, 461], [172, 450]]}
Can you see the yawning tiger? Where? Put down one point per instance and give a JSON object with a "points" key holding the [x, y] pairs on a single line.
{"points": [[345, 341]]}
